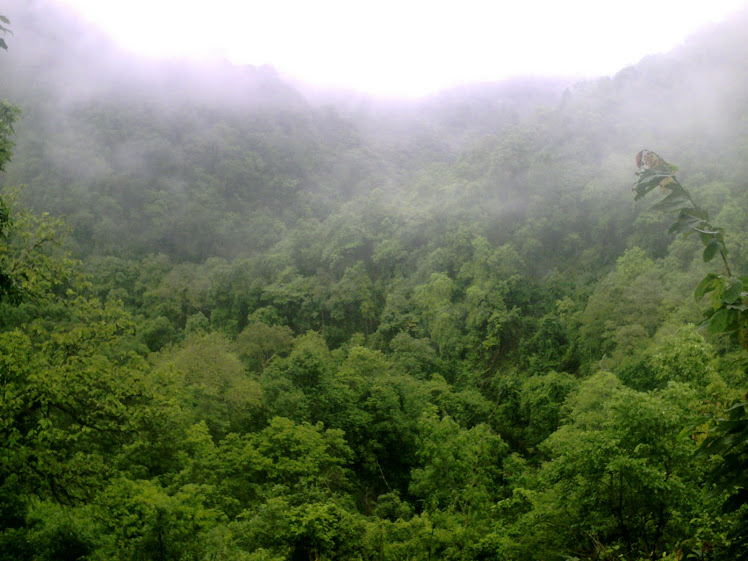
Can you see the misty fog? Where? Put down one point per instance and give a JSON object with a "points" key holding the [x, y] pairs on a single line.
{"points": [[243, 317]]}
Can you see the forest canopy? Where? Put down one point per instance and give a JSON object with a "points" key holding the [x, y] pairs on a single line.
{"points": [[239, 322]]}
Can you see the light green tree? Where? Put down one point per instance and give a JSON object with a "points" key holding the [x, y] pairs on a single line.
{"points": [[622, 479]]}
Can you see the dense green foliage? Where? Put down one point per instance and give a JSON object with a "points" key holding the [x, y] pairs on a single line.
{"points": [[258, 327]]}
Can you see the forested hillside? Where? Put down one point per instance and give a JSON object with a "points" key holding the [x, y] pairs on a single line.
{"points": [[240, 320]]}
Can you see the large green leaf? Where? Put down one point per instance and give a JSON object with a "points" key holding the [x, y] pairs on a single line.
{"points": [[648, 180], [686, 223], [674, 201], [708, 284], [734, 290], [711, 250], [720, 321]]}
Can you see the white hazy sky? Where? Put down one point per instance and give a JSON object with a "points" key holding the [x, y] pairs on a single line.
{"points": [[407, 47]]}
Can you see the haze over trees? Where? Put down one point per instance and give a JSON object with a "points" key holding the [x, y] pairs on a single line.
{"points": [[240, 321]]}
